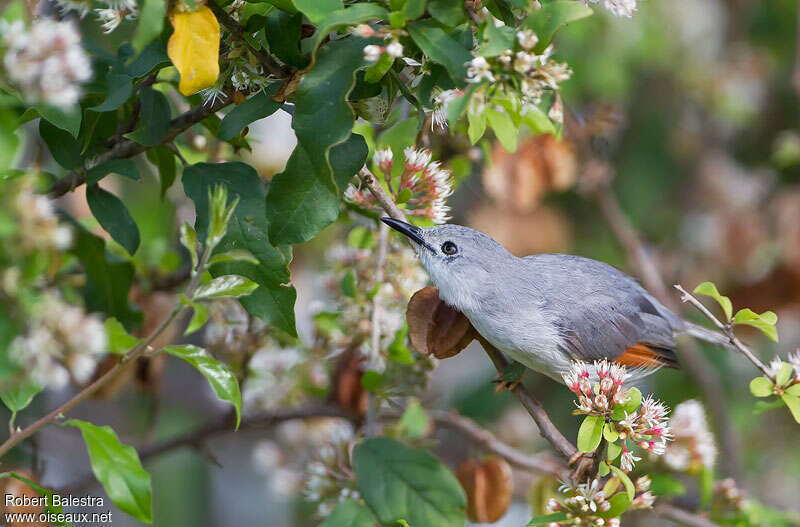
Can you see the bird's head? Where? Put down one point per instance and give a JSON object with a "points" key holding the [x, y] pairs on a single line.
{"points": [[458, 259]]}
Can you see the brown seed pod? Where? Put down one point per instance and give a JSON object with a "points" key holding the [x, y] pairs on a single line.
{"points": [[436, 328], [489, 488], [347, 390], [15, 491]]}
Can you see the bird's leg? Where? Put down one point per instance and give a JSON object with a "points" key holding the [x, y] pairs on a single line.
{"points": [[510, 378]]}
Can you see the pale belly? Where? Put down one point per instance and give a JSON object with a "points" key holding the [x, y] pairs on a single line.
{"points": [[533, 342]]}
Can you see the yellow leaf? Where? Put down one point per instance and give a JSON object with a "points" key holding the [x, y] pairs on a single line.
{"points": [[194, 49]]}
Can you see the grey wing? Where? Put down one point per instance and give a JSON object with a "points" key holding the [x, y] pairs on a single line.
{"points": [[603, 313]]}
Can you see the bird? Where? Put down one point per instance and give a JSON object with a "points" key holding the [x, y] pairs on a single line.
{"points": [[547, 311]]}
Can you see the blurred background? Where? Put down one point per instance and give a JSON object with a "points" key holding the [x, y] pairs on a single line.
{"points": [[689, 112]]}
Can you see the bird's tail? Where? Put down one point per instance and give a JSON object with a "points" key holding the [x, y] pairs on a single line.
{"points": [[711, 336]]}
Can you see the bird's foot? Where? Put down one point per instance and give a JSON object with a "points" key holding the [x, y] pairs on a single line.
{"points": [[510, 378]]}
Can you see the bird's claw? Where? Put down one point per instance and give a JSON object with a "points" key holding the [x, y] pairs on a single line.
{"points": [[505, 385]]}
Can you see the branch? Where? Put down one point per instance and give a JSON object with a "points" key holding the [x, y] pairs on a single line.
{"points": [[727, 330], [546, 427], [539, 463], [682, 516], [224, 425], [128, 148], [269, 64]]}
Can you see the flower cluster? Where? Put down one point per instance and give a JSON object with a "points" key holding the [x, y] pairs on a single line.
{"points": [[588, 503], [118, 10], [693, 446], [47, 64], [62, 341], [37, 223], [647, 427], [601, 394], [608, 392], [521, 67], [373, 52], [423, 186]]}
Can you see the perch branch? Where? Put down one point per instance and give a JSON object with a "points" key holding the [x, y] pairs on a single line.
{"points": [[682, 516], [727, 330]]}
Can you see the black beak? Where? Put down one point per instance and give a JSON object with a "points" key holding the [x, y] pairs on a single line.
{"points": [[412, 232]]}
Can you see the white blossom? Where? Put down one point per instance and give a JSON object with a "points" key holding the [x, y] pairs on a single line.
{"points": [[372, 53], [395, 49], [527, 38], [478, 70]]}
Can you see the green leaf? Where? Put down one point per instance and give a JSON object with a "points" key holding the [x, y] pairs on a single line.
{"points": [[602, 469], [256, 107], [120, 88], [447, 12], [317, 10], [551, 17], [763, 406], [349, 513], [304, 199], [709, 289], [784, 374], [67, 119], [284, 33], [404, 195], [376, 72], [793, 390], [273, 301], [118, 468], [348, 284], [227, 286], [114, 217], [590, 433], [65, 149], [17, 398], [123, 167], [164, 161], [218, 374], [537, 121], [548, 518], [119, 340], [664, 485], [765, 322], [761, 387], [629, 487], [613, 451], [371, 380], [629, 406], [414, 423], [793, 402], [503, 128], [189, 241], [355, 14], [619, 504], [413, 9], [48, 509], [199, 317], [155, 118], [706, 486], [402, 483], [497, 39], [108, 279], [476, 125], [154, 55], [442, 48], [610, 433], [233, 256], [151, 21]]}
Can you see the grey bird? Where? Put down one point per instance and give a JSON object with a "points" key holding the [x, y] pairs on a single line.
{"points": [[547, 310]]}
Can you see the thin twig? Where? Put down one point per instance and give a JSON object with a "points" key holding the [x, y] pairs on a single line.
{"points": [[269, 64], [682, 516], [727, 330], [542, 463]]}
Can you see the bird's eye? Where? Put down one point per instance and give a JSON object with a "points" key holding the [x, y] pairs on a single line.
{"points": [[449, 248]]}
